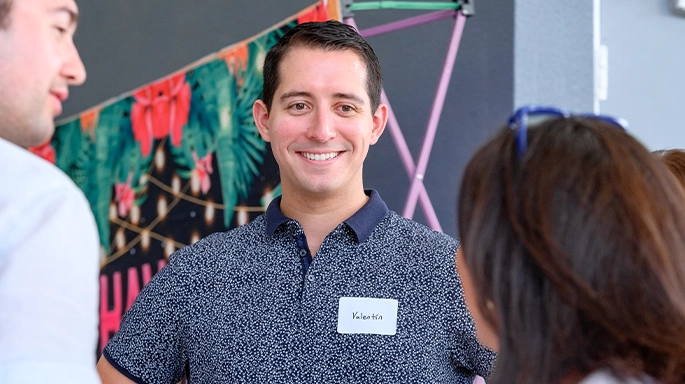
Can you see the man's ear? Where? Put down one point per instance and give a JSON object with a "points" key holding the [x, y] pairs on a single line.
{"points": [[261, 119], [380, 119]]}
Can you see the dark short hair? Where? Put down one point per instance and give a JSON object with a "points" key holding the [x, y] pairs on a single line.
{"points": [[330, 36], [5, 8], [578, 245], [674, 159]]}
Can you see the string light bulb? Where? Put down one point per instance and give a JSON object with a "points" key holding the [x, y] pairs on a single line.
{"points": [[145, 240], [162, 207], [169, 247], [160, 159], [176, 184], [209, 213]]}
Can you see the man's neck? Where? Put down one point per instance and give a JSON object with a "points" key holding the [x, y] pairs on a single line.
{"points": [[320, 214]]}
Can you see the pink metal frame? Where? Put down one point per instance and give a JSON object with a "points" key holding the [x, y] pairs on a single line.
{"points": [[417, 190]]}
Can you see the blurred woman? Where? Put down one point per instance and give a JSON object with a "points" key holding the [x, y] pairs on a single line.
{"points": [[573, 253]]}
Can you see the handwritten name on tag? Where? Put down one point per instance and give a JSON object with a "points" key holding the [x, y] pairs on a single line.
{"points": [[367, 315]]}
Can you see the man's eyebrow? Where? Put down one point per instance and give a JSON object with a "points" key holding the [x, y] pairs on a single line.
{"points": [[337, 95], [348, 96], [73, 14], [289, 95]]}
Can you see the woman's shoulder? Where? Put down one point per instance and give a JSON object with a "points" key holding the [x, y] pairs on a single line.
{"points": [[605, 376]]}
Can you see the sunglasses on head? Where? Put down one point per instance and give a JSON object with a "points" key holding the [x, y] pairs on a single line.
{"points": [[532, 113]]}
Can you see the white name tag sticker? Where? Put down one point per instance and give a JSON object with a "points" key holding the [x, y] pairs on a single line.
{"points": [[367, 315]]}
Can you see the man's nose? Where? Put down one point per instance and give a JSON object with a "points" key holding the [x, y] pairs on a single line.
{"points": [[73, 69], [321, 128]]}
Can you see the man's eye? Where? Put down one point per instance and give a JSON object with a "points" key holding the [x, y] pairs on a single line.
{"points": [[346, 108], [299, 106]]}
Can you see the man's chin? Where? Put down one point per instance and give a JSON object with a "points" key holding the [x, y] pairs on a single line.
{"points": [[38, 137]]}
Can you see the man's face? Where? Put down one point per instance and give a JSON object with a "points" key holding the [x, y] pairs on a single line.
{"points": [[321, 125], [38, 61]]}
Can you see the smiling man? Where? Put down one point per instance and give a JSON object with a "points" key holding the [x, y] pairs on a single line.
{"points": [[328, 286], [49, 249]]}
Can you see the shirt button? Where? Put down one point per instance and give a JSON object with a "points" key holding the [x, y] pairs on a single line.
{"points": [[303, 252], [310, 278]]}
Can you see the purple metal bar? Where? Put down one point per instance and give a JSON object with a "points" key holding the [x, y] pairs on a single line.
{"points": [[410, 168], [438, 103], [405, 154], [406, 23]]}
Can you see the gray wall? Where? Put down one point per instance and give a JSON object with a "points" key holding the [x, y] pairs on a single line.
{"points": [[646, 47], [547, 58], [554, 62], [125, 44]]}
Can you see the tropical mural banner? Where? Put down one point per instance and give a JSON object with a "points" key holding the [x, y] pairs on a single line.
{"points": [[172, 162]]}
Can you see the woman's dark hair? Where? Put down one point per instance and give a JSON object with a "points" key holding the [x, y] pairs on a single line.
{"points": [[675, 161], [577, 253]]}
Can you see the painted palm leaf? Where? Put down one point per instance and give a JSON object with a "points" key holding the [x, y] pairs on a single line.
{"points": [[217, 124]]}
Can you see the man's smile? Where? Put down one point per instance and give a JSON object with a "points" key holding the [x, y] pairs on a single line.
{"points": [[320, 156]]}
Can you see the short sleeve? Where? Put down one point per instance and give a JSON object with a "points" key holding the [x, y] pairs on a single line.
{"points": [[466, 353], [148, 347]]}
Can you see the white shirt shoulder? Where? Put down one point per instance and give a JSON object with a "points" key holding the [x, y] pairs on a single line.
{"points": [[49, 266]]}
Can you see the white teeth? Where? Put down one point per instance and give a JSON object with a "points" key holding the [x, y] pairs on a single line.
{"points": [[320, 156]]}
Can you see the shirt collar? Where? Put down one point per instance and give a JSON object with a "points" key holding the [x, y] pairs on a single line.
{"points": [[362, 222]]}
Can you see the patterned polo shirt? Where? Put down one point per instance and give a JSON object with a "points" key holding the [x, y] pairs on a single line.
{"points": [[251, 306]]}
